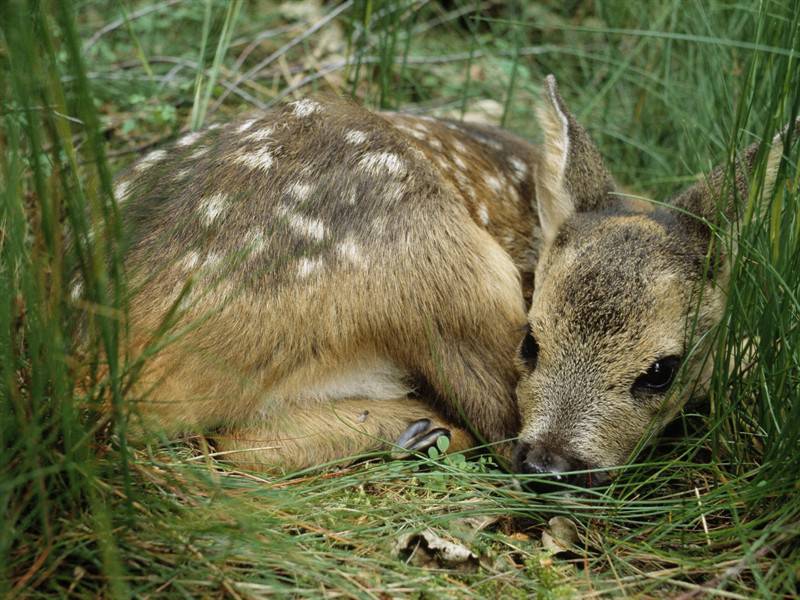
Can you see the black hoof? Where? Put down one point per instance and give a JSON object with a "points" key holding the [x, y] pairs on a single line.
{"points": [[414, 430], [420, 436], [422, 443]]}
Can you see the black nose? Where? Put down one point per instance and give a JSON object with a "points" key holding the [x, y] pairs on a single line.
{"points": [[554, 464]]}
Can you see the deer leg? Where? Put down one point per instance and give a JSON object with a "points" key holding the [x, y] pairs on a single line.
{"points": [[333, 431]]}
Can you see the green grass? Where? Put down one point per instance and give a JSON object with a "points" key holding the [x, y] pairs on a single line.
{"points": [[666, 88]]}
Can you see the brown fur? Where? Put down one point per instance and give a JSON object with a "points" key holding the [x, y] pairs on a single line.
{"points": [[343, 251], [619, 287], [340, 274]]}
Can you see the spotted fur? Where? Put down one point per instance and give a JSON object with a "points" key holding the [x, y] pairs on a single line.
{"points": [[341, 283], [339, 274]]}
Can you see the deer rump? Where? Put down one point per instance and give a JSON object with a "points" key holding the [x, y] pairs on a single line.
{"points": [[339, 276]]}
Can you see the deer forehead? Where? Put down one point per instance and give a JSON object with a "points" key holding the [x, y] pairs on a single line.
{"points": [[613, 280], [602, 351], [633, 247]]}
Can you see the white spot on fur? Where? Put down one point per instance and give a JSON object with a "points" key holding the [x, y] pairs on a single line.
{"points": [[444, 164], [149, 160], [519, 167], [350, 251], [188, 139], [307, 266], [183, 173], [262, 135], [354, 136], [300, 191], [121, 190], [189, 261], [483, 214], [245, 126], [212, 261], [412, 132], [512, 193], [487, 141], [199, 152], [211, 208], [186, 301], [375, 162], [419, 154], [254, 242], [459, 146], [304, 226], [459, 162], [435, 143], [305, 107], [494, 183], [259, 159], [466, 184]]}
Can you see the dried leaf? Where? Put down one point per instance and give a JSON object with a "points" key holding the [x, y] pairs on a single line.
{"points": [[428, 549], [476, 521], [561, 536]]}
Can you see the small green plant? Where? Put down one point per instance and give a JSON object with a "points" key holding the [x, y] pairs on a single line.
{"points": [[442, 444]]}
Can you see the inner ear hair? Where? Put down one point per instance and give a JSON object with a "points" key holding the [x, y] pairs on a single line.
{"points": [[570, 176], [555, 204]]}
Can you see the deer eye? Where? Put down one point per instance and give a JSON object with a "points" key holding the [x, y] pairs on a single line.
{"points": [[529, 349], [659, 376]]}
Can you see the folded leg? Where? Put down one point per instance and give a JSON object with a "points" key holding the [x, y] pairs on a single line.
{"points": [[309, 436]]}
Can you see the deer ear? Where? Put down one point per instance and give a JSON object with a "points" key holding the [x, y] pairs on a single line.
{"points": [[718, 190], [570, 174]]}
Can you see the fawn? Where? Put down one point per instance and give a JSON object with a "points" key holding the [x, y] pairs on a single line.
{"points": [[338, 280]]}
